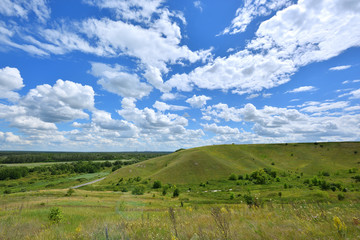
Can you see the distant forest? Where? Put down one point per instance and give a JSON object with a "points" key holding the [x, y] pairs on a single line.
{"points": [[32, 157]]}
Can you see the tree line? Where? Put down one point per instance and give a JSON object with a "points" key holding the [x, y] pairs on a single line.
{"points": [[32, 157], [64, 168]]}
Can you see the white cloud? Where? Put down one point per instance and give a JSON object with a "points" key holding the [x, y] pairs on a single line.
{"points": [[198, 101], [352, 108], [349, 81], [272, 124], [154, 46], [9, 137], [355, 94], [316, 107], [10, 80], [161, 106], [251, 10], [339, 68], [29, 122], [242, 71], [65, 101], [153, 76], [220, 129], [23, 8], [138, 10], [116, 80], [169, 96], [306, 32], [302, 89], [155, 127], [198, 5]]}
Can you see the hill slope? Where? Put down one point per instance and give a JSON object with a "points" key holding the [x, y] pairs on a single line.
{"points": [[219, 161]]}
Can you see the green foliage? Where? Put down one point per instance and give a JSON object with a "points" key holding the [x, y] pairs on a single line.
{"points": [[341, 196], [232, 196], [176, 192], [69, 192], [157, 184], [232, 177], [30, 157], [138, 190], [7, 191], [357, 178], [55, 215], [13, 172]]}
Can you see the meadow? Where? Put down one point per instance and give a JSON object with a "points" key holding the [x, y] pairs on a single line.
{"points": [[268, 192]]}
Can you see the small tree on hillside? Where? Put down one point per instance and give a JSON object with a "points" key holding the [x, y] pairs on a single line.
{"points": [[176, 192], [157, 184]]}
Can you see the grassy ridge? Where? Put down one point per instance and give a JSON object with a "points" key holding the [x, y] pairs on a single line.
{"points": [[217, 162]]}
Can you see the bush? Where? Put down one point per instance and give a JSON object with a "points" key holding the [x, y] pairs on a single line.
{"points": [[157, 184], [176, 192], [341, 196], [138, 190], [70, 192], [7, 191], [232, 177], [55, 215]]}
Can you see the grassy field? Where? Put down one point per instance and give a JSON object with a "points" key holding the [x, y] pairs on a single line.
{"points": [[293, 191], [217, 162], [115, 215]]}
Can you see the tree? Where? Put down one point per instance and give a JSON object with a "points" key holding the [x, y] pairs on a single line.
{"points": [[176, 192], [157, 184]]}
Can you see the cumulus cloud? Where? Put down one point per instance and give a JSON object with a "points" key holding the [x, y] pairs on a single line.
{"points": [[156, 126], [9, 137], [294, 37], [198, 101], [220, 129], [10, 80], [65, 101], [251, 10], [282, 124], [116, 80], [154, 46], [339, 68], [302, 89], [161, 106]]}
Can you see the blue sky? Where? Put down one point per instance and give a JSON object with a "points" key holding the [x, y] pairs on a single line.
{"points": [[150, 75]]}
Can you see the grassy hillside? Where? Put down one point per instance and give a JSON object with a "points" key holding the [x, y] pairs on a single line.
{"points": [[218, 162]]}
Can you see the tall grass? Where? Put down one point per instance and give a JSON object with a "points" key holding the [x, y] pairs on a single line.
{"points": [[108, 215]]}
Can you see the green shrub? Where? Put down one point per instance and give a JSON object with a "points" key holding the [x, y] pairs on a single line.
{"points": [[138, 190], [164, 191], [176, 192], [232, 177], [7, 191], [69, 192], [157, 184], [341, 196], [55, 215]]}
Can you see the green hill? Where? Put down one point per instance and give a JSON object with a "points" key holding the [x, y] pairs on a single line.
{"points": [[218, 162]]}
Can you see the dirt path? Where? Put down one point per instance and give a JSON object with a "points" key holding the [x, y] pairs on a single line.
{"points": [[84, 184]]}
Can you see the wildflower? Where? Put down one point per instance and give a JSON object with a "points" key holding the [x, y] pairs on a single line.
{"points": [[339, 225]]}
